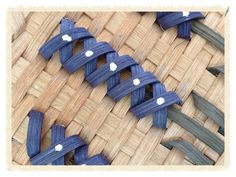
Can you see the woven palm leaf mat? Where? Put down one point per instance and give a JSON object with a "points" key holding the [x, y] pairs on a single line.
{"points": [[107, 126]]}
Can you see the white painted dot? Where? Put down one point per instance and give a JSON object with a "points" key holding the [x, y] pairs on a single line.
{"points": [[113, 66], [136, 81], [36, 87], [185, 13], [89, 53], [66, 37], [160, 101], [58, 147]]}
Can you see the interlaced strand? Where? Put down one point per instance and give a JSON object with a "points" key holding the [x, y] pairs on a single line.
{"points": [[182, 20], [60, 145], [87, 58]]}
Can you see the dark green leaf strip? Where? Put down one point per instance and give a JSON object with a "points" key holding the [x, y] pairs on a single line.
{"points": [[196, 129], [207, 33], [216, 70], [196, 156], [208, 109]]}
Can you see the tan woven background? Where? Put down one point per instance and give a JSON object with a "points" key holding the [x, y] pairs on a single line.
{"points": [[107, 126]]}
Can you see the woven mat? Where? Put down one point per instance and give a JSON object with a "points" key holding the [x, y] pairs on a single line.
{"points": [[109, 127]]}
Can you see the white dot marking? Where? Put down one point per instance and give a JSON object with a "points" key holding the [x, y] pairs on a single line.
{"points": [[185, 14], [160, 101], [66, 37], [89, 53], [58, 147], [113, 66], [136, 81]]}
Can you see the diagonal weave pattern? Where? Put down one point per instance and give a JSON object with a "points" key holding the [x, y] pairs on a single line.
{"points": [[109, 127]]}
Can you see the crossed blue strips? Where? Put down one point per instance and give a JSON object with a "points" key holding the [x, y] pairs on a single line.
{"points": [[182, 20], [60, 145], [110, 72]]}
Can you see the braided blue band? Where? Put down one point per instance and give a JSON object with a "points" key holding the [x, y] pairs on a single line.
{"points": [[110, 72]]}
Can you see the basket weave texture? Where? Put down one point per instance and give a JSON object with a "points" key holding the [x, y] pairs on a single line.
{"points": [[109, 127]]}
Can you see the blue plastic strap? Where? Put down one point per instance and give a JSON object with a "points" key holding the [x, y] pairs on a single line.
{"points": [[138, 95], [34, 133], [57, 135], [104, 73], [150, 106], [67, 51], [80, 59], [56, 151], [114, 79], [81, 157], [184, 30], [128, 86], [92, 65], [169, 19], [159, 117], [57, 42]]}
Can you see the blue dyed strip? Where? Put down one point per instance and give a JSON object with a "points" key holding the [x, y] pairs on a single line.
{"points": [[67, 51], [50, 154], [127, 86], [159, 117], [80, 59], [170, 19], [103, 73], [58, 134], [184, 30], [81, 157], [151, 106], [34, 133], [57, 42], [91, 66], [114, 79]]}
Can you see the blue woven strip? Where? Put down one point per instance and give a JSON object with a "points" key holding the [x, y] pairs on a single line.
{"points": [[103, 73], [57, 42], [184, 30], [80, 59], [51, 154], [81, 157], [170, 19], [59, 145], [92, 65], [57, 135], [34, 133], [159, 117], [138, 95], [127, 86], [110, 73], [114, 79], [151, 106], [67, 51]]}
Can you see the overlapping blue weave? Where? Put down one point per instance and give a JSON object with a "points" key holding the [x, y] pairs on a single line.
{"points": [[110, 72], [182, 19], [60, 145]]}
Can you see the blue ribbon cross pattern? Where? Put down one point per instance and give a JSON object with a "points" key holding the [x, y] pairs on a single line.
{"points": [[60, 145], [110, 72]]}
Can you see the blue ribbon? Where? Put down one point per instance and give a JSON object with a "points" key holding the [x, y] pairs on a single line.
{"points": [[167, 20]]}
